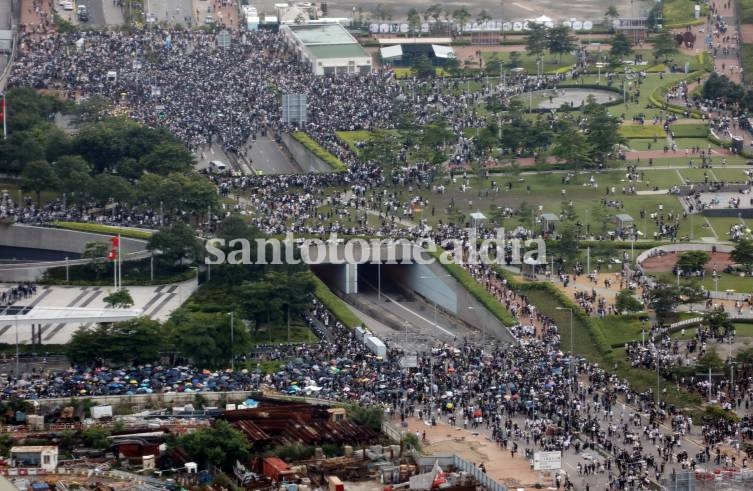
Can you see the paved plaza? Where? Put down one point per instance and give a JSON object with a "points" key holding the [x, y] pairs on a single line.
{"points": [[157, 302]]}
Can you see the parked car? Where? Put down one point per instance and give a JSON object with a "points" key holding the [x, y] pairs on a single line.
{"points": [[83, 13]]}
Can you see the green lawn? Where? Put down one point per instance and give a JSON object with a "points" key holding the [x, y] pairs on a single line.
{"points": [[726, 281], [678, 12]]}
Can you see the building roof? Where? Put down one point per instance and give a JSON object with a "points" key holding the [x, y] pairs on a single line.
{"points": [[550, 217], [338, 51], [443, 51], [315, 34], [34, 449], [624, 217], [415, 40], [391, 52]]}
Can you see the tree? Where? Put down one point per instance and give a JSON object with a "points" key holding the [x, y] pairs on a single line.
{"points": [[621, 45], [560, 41], [434, 12], [119, 299], [602, 128], [743, 253], [664, 45], [204, 337], [175, 244], [106, 187], [535, 39], [74, 179], [693, 261], [718, 321], [567, 244], [610, 15], [483, 16], [572, 147], [514, 59], [136, 341], [461, 16], [626, 302], [220, 445], [96, 252], [664, 298], [414, 21], [168, 157], [38, 176]]}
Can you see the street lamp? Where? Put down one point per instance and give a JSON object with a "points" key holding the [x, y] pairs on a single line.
{"points": [[232, 339], [18, 356], [572, 352]]}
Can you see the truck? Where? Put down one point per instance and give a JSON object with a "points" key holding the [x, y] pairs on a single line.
{"points": [[376, 346]]}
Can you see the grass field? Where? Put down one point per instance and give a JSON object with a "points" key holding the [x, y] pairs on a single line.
{"points": [[726, 282], [677, 12]]}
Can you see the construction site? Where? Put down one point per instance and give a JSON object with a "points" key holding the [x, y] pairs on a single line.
{"points": [[295, 445]]}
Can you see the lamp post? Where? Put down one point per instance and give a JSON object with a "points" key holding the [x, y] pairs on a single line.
{"points": [[572, 352], [232, 339], [18, 356]]}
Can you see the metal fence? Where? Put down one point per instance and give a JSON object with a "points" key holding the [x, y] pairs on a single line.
{"points": [[426, 462]]}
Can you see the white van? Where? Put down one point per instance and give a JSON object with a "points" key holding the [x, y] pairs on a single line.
{"points": [[217, 166]]}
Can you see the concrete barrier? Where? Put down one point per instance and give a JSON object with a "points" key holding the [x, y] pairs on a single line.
{"points": [[307, 161]]}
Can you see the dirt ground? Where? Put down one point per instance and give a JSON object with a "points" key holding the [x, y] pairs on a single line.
{"points": [[513, 472], [661, 264]]}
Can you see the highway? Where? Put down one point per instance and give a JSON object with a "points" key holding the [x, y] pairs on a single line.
{"points": [[266, 156]]}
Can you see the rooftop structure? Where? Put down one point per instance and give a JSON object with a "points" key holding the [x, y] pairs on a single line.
{"points": [[327, 48]]}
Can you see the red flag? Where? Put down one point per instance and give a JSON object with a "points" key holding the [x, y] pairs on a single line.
{"points": [[112, 255], [115, 241], [2, 108]]}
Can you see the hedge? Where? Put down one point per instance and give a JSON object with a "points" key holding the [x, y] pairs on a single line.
{"points": [[478, 291], [105, 229], [656, 97], [321, 152], [335, 305]]}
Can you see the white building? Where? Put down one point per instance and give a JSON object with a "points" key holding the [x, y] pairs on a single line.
{"points": [[327, 48], [41, 456]]}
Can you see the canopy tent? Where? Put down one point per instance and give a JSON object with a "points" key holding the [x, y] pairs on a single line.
{"points": [[549, 222]]}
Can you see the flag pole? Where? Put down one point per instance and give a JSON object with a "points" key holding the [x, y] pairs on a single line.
{"points": [[120, 263]]}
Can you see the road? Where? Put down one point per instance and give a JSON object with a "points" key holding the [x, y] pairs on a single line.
{"points": [[266, 156], [172, 11]]}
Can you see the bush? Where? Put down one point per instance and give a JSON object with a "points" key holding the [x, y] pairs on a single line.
{"points": [[479, 292], [335, 305], [321, 152], [97, 228]]}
